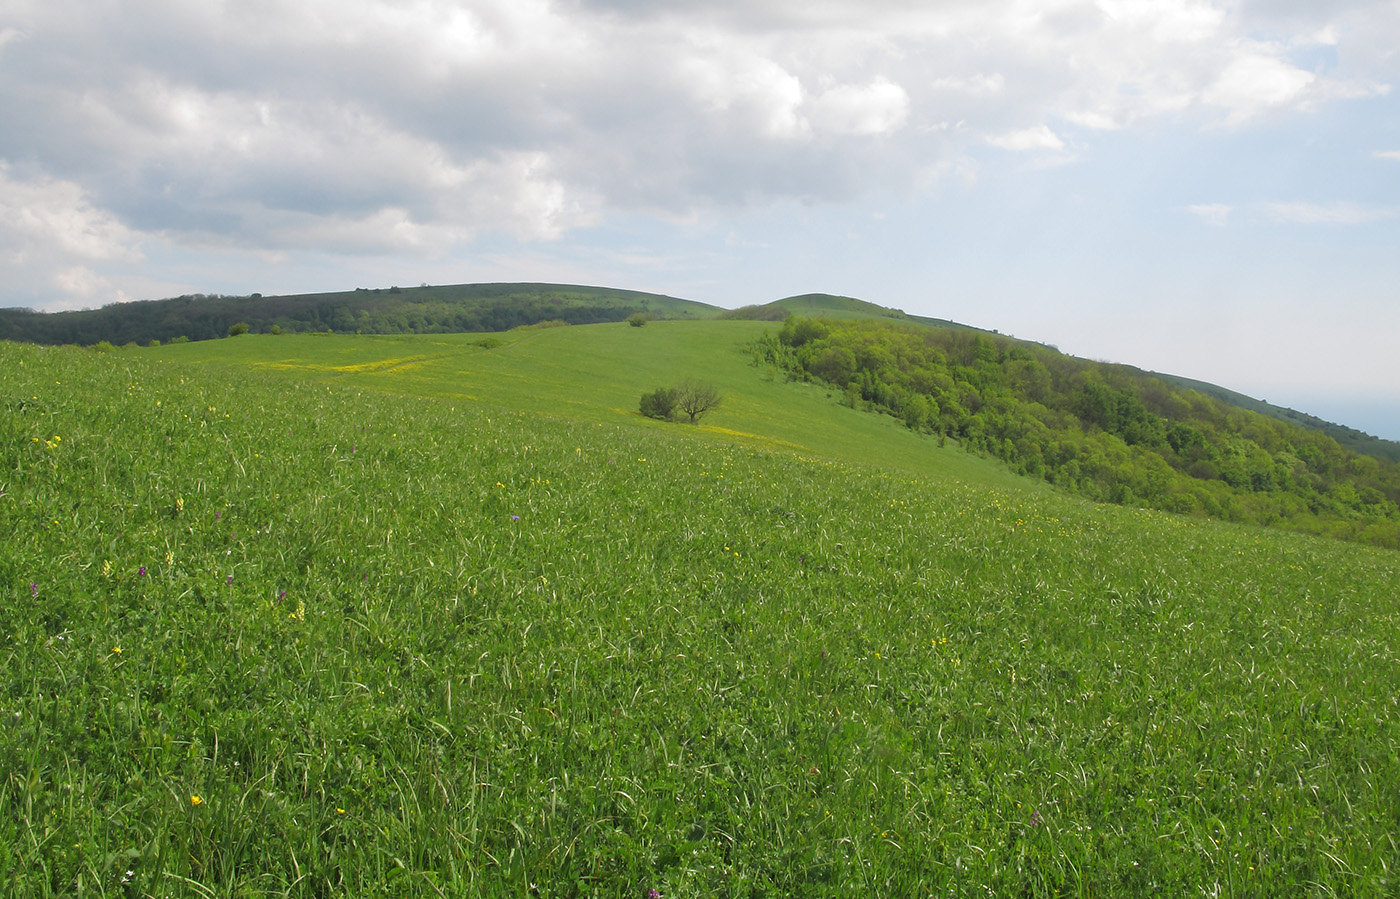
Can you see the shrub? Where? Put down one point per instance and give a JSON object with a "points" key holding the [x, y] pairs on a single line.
{"points": [[637, 319], [237, 328], [660, 403]]}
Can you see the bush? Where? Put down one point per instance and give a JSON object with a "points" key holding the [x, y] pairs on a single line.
{"points": [[637, 319], [237, 328], [660, 403]]}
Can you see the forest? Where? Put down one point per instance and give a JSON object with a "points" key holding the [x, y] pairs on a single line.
{"points": [[1107, 432], [393, 310]]}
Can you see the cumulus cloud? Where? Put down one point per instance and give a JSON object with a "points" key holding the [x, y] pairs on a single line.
{"points": [[50, 237], [880, 107], [1255, 81], [415, 126]]}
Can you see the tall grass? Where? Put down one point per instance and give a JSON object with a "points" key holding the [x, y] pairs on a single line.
{"points": [[266, 637]]}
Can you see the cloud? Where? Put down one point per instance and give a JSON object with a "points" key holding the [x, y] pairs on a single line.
{"points": [[1037, 138], [50, 236], [370, 126], [880, 107], [1387, 154], [1255, 81], [1215, 214]]}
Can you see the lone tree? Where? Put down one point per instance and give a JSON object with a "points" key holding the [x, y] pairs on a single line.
{"points": [[695, 398]]}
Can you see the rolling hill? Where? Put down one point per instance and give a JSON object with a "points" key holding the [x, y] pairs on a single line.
{"points": [[431, 615], [464, 308]]}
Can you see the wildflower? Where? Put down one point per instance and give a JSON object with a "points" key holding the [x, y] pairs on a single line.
{"points": [[1036, 820], [281, 595], [116, 650], [196, 799], [653, 894], [33, 589], [515, 518], [141, 572], [230, 579]]}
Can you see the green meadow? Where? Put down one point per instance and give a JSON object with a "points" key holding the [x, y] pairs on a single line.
{"points": [[444, 616]]}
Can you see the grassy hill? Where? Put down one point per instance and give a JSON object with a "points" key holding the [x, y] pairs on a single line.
{"points": [[596, 374], [382, 616], [463, 308], [393, 310]]}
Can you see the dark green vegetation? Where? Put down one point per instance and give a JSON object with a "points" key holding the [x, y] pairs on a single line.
{"points": [[1103, 431], [408, 310], [490, 307], [265, 635], [695, 399], [1350, 438]]}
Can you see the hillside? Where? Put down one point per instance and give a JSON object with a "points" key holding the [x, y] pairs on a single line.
{"points": [[956, 401], [1107, 432], [291, 620], [394, 310], [464, 308]]}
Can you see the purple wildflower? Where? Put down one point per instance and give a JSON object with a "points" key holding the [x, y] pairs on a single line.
{"points": [[33, 589], [515, 518], [230, 579], [1036, 820], [281, 595], [141, 572], [653, 894]]}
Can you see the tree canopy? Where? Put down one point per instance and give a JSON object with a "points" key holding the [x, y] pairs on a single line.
{"points": [[1108, 432]]}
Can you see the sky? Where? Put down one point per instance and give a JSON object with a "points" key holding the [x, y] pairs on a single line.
{"points": [[1202, 188]]}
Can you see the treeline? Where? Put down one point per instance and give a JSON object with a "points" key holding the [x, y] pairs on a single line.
{"points": [[395, 310], [1108, 432]]}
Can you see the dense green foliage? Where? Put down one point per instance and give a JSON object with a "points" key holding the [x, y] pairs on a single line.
{"points": [[1349, 437], [265, 637], [659, 403], [1106, 432], [416, 310]]}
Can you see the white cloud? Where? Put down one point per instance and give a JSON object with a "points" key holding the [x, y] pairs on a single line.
{"points": [[1037, 138], [50, 237], [45, 217], [978, 84], [416, 126], [880, 107], [1255, 81], [1387, 154], [1167, 20], [1215, 214]]}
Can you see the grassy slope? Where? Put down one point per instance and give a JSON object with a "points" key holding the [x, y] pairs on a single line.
{"points": [[602, 656], [597, 373]]}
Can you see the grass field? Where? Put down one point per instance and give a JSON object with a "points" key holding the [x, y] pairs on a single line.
{"points": [[348, 616]]}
